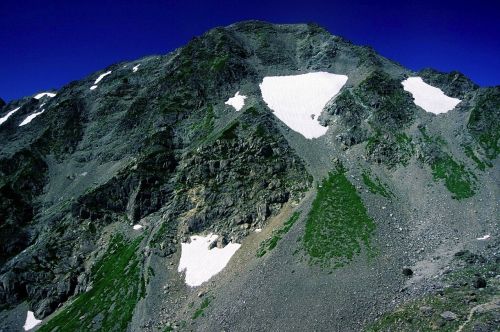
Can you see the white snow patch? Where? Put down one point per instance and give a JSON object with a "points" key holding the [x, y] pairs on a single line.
{"points": [[486, 237], [31, 321], [137, 227], [101, 77], [93, 87], [30, 117], [7, 116], [135, 68], [43, 94], [430, 98], [298, 100], [258, 230], [238, 101], [202, 263], [84, 174]]}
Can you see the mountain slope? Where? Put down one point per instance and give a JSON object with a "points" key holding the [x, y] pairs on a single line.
{"points": [[153, 143]]}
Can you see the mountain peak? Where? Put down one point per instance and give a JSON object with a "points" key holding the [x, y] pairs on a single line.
{"points": [[259, 173]]}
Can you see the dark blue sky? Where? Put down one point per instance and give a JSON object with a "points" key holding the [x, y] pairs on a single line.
{"points": [[46, 44]]}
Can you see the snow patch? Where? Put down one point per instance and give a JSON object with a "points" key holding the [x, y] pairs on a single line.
{"points": [[298, 100], [201, 263], [431, 99], [84, 174], [258, 230], [93, 87], [31, 321], [486, 237], [135, 68], [238, 101], [30, 117], [101, 77], [137, 227], [7, 116], [43, 94]]}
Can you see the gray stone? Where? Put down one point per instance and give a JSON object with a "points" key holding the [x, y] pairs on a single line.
{"points": [[449, 315]]}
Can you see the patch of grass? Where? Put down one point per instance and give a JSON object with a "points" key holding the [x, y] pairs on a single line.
{"points": [[116, 289], [201, 310], [459, 298], [277, 235], [431, 139], [484, 122], [219, 62], [338, 226], [374, 140], [402, 138], [151, 273], [165, 228], [206, 125], [479, 163], [253, 111], [391, 149], [230, 131], [456, 177], [376, 186], [260, 131]]}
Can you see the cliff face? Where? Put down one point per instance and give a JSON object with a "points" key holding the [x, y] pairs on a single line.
{"points": [[152, 142]]}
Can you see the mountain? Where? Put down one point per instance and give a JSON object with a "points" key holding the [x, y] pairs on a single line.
{"points": [[261, 178]]}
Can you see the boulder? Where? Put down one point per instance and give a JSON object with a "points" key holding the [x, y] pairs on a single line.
{"points": [[449, 316], [479, 282], [407, 272]]}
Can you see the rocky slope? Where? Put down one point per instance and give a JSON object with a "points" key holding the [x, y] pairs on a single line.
{"points": [[372, 217]]}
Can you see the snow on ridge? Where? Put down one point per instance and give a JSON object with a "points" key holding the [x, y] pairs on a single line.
{"points": [[428, 97], [101, 77], [135, 68], [298, 100], [201, 263], [7, 116], [238, 101], [30, 117], [43, 94], [93, 87], [482, 238], [31, 321]]}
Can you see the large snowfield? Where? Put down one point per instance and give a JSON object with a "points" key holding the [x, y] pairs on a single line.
{"points": [[201, 263], [298, 100], [31, 321], [430, 98]]}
